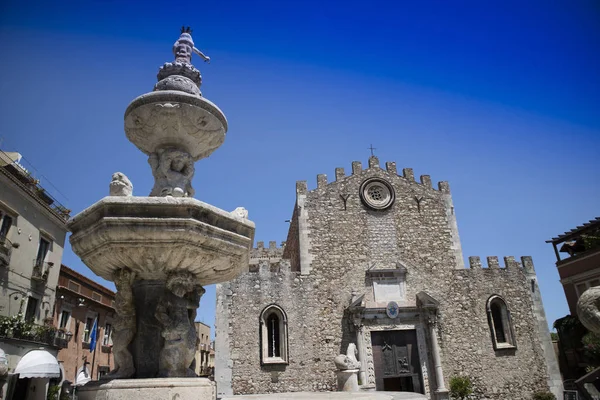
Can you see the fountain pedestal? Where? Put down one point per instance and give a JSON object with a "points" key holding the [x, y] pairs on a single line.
{"points": [[149, 389]]}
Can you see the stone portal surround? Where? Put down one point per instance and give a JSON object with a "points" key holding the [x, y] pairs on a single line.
{"points": [[386, 324]]}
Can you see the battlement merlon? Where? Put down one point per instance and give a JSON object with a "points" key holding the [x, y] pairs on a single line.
{"points": [[272, 253], [374, 162], [510, 263], [390, 167]]}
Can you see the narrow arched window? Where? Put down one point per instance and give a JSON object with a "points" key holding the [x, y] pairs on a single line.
{"points": [[273, 335], [499, 320], [496, 311]]}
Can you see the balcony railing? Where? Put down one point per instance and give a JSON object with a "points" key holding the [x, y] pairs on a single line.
{"points": [[62, 338], [25, 173], [40, 271], [16, 327], [5, 250]]}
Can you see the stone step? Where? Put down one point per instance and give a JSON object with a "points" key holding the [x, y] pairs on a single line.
{"points": [[330, 395]]}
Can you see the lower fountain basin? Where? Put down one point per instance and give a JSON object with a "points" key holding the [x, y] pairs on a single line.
{"points": [[155, 235]]}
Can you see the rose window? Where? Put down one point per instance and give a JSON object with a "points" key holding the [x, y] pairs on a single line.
{"points": [[377, 194]]}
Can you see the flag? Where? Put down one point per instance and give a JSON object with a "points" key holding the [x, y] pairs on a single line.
{"points": [[93, 336]]}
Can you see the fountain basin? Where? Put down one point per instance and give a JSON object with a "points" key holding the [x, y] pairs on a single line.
{"points": [[155, 235], [171, 118]]}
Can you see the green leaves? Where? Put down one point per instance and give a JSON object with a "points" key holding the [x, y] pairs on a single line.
{"points": [[460, 387]]}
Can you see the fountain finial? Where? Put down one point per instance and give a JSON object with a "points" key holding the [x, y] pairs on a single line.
{"points": [[184, 47]]}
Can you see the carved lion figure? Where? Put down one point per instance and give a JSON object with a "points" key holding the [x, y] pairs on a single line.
{"points": [[240, 212], [120, 185]]}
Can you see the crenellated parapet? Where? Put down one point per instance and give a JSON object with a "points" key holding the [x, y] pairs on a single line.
{"points": [[510, 263], [260, 252], [357, 168]]}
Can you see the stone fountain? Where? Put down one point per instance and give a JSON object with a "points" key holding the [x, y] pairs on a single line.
{"points": [[161, 250]]}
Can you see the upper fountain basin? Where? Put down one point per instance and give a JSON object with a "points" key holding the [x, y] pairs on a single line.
{"points": [[171, 118], [155, 235]]}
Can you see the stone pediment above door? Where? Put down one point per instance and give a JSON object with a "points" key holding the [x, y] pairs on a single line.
{"points": [[394, 267], [387, 282]]}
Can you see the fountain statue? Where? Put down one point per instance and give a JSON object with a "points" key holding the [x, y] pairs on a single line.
{"points": [[161, 250]]}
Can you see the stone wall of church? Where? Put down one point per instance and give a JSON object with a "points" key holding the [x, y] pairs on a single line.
{"points": [[249, 295], [336, 239], [466, 337]]}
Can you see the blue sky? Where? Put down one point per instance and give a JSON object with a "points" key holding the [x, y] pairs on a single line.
{"points": [[500, 98]]}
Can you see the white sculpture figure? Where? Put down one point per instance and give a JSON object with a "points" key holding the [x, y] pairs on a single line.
{"points": [[120, 185], [173, 171], [184, 46], [347, 370], [347, 361], [240, 212], [125, 325], [176, 312]]}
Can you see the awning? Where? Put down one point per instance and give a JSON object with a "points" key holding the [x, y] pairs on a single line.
{"points": [[38, 364]]}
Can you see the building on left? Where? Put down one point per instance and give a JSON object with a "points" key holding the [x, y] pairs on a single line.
{"points": [[32, 236], [82, 304]]}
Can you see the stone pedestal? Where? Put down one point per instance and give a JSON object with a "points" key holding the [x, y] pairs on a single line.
{"points": [[442, 395], [148, 342], [347, 380], [149, 389]]}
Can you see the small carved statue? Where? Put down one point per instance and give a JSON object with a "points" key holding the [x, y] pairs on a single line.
{"points": [[173, 171], [176, 312], [240, 212], [349, 360], [124, 325], [120, 185], [184, 46]]}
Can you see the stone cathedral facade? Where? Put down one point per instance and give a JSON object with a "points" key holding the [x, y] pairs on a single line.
{"points": [[374, 258]]}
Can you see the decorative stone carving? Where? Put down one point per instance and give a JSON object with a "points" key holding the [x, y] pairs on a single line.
{"points": [[180, 83], [347, 373], [173, 171], [240, 212], [377, 194], [181, 69], [347, 361], [176, 312], [120, 185], [184, 46], [124, 325], [588, 309]]}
